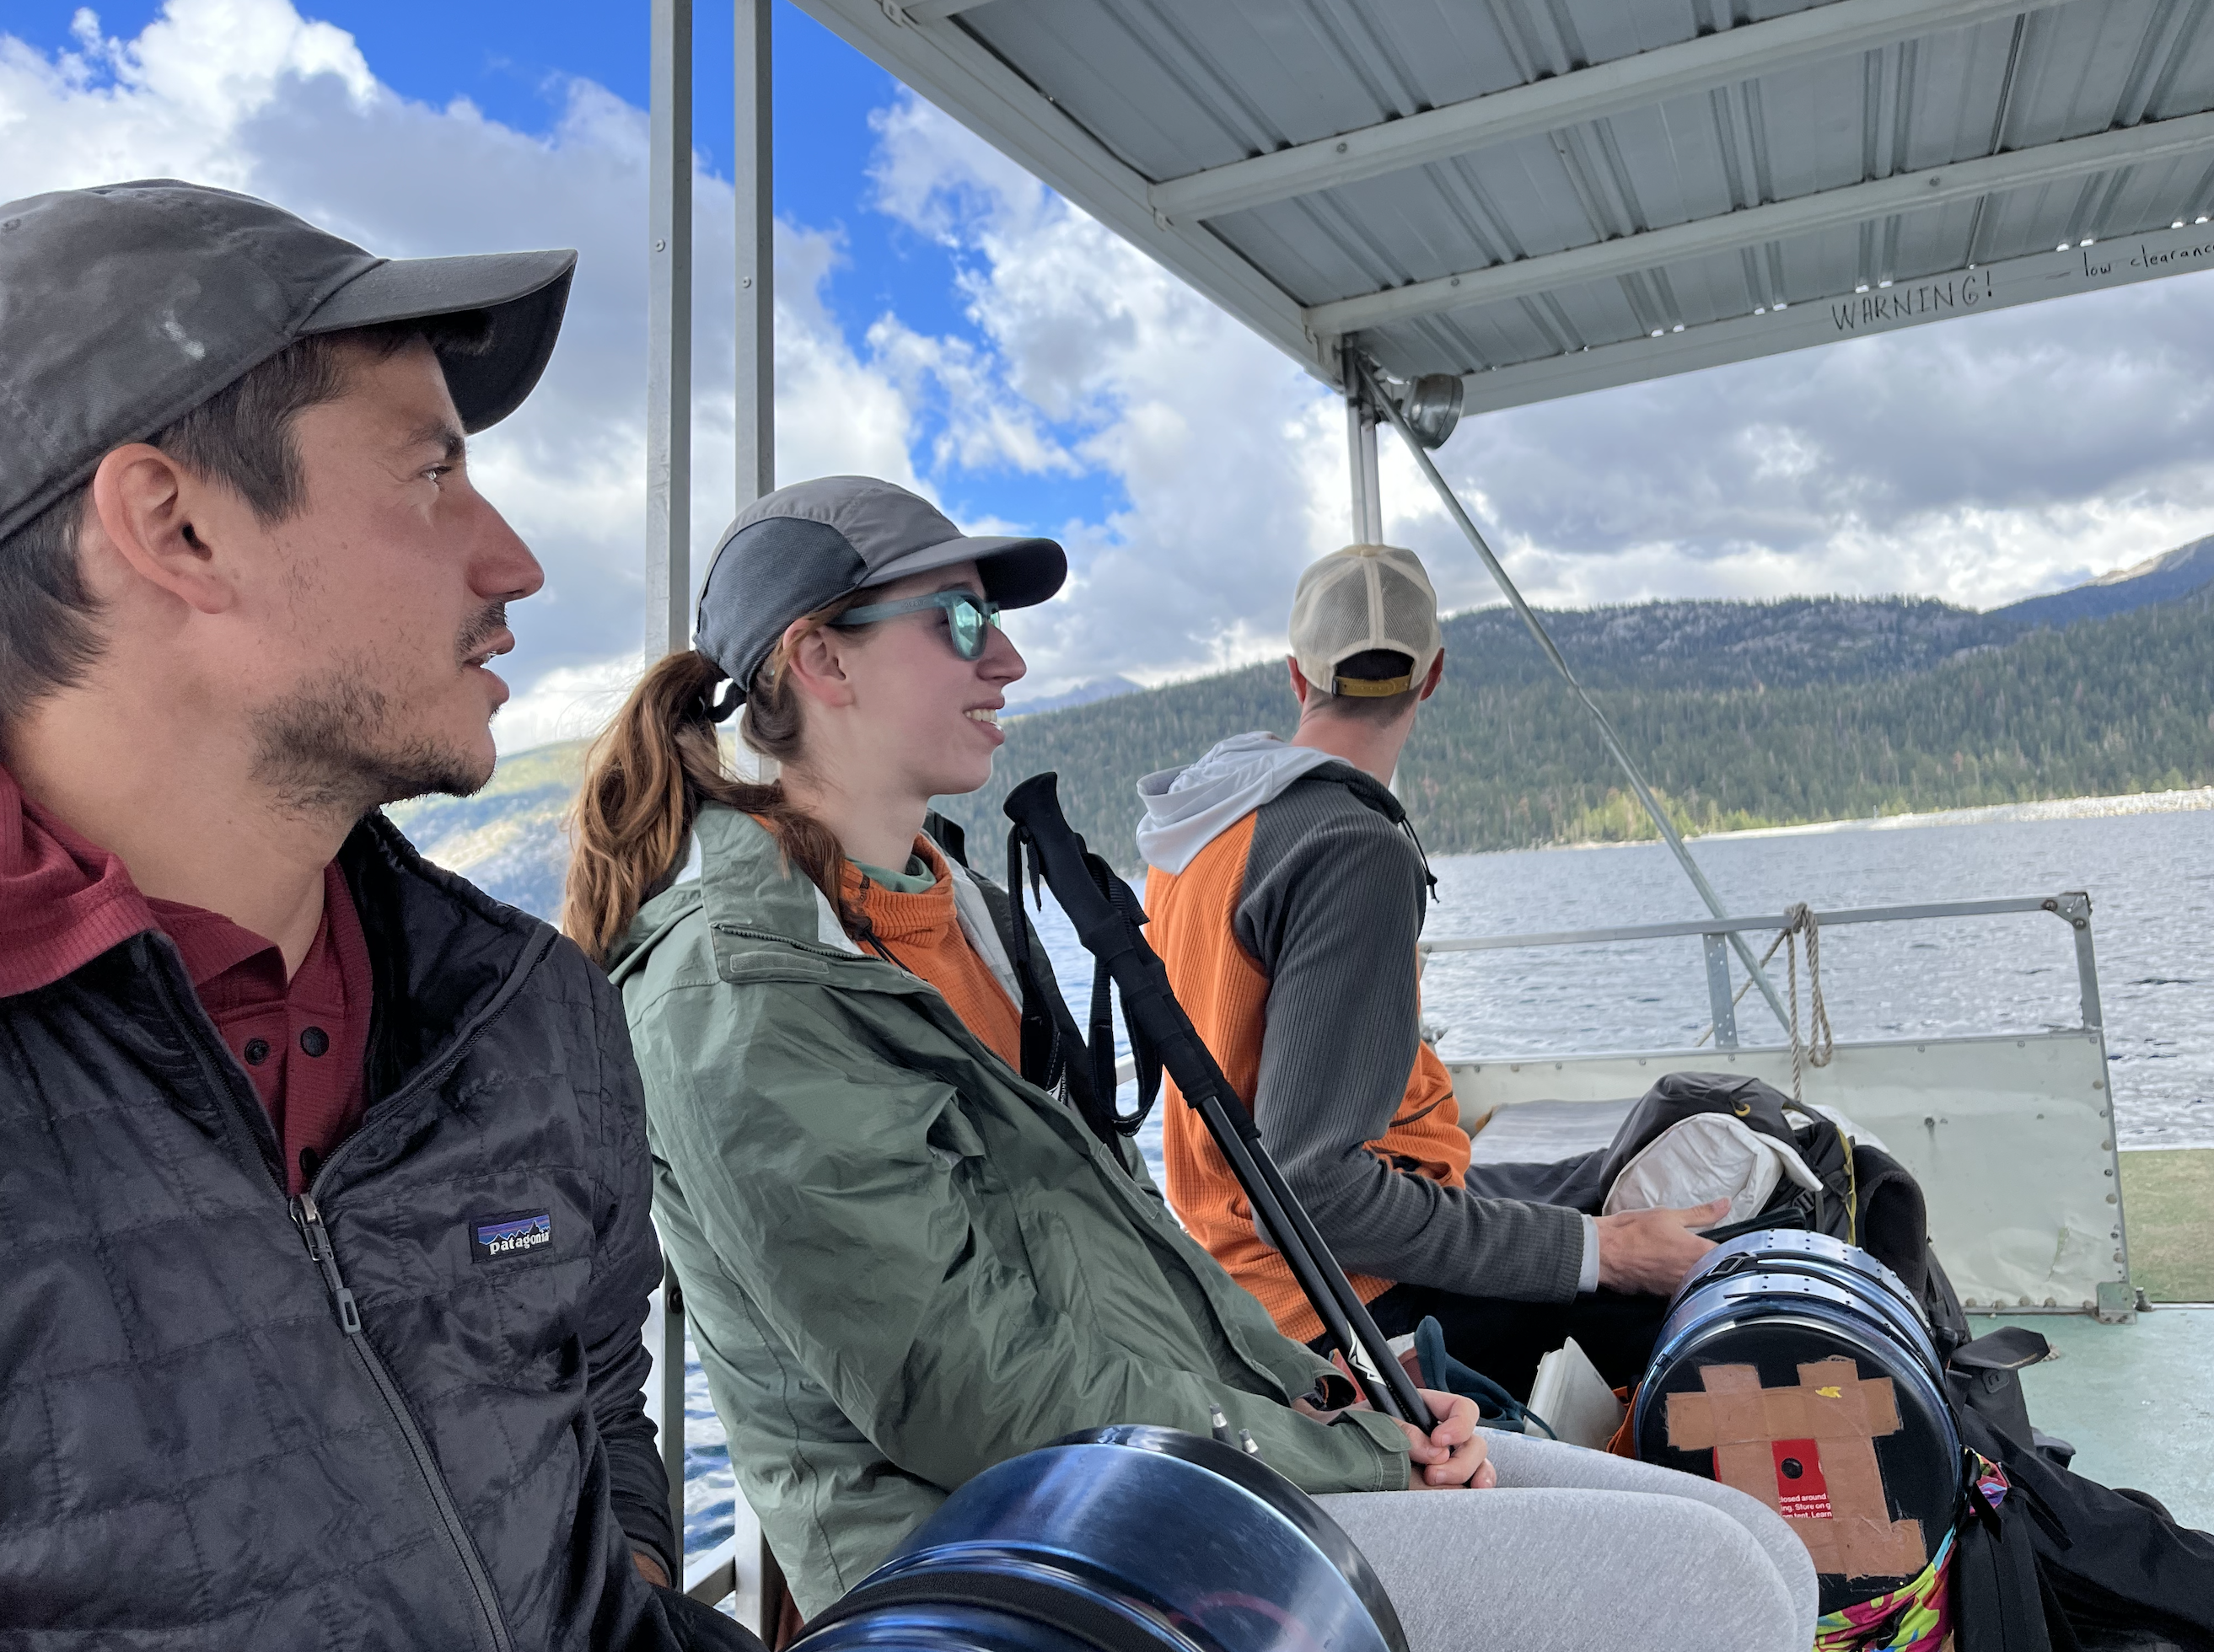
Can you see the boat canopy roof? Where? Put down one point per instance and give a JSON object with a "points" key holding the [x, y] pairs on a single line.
{"points": [[1553, 196]]}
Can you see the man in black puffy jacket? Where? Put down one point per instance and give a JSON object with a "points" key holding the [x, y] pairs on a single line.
{"points": [[324, 1244]]}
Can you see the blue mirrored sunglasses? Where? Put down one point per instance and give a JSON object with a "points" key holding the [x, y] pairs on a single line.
{"points": [[968, 616]]}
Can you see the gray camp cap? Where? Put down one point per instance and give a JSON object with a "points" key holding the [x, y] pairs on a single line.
{"points": [[792, 550], [124, 307]]}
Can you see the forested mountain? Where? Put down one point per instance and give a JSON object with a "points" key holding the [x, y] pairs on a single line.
{"points": [[1740, 714]]}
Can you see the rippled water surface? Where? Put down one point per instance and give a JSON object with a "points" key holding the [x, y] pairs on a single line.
{"points": [[2151, 878]]}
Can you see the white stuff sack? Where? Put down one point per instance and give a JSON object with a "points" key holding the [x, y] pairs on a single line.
{"points": [[1709, 1155]]}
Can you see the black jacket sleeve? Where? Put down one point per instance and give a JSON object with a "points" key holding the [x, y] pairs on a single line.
{"points": [[626, 1270]]}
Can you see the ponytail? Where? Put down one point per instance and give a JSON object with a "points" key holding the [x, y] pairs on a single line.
{"points": [[647, 776]]}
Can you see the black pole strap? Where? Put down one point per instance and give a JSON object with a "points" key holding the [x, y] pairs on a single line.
{"points": [[1156, 1023]]}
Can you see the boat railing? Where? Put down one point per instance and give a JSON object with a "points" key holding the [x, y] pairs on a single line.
{"points": [[2010, 1134], [2074, 907], [740, 1564]]}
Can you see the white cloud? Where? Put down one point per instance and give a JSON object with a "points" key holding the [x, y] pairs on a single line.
{"points": [[1979, 461], [248, 95]]}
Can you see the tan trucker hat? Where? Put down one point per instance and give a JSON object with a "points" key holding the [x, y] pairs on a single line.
{"points": [[1364, 597]]}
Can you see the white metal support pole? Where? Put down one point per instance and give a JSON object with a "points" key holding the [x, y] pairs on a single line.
{"points": [[1361, 443], [1358, 373], [669, 335], [669, 528], [751, 172]]}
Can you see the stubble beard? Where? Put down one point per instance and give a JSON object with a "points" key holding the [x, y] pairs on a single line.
{"points": [[333, 747]]}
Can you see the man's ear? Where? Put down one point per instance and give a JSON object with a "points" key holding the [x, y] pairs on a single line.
{"points": [[1437, 675], [1302, 688], [812, 662], [142, 502]]}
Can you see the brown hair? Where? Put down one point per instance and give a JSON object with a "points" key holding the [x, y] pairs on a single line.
{"points": [[1370, 665], [241, 437], [648, 774]]}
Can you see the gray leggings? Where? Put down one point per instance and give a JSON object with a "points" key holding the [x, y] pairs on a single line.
{"points": [[1577, 1550]]}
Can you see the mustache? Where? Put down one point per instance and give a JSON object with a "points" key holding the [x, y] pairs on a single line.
{"points": [[490, 621]]}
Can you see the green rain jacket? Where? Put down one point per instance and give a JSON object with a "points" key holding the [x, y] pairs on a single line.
{"points": [[902, 1263]]}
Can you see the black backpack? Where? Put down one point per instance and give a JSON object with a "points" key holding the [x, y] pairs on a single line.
{"points": [[2063, 1563], [1866, 1198]]}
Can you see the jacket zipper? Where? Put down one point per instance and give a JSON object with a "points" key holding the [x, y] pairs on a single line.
{"points": [[216, 1060], [310, 1221]]}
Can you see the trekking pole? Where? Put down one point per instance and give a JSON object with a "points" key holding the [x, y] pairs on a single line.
{"points": [[1086, 888]]}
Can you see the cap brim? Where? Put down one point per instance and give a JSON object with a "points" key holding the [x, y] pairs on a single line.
{"points": [[525, 294], [1018, 573]]}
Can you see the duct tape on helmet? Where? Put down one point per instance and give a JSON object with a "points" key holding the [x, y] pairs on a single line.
{"points": [[1796, 1369]]}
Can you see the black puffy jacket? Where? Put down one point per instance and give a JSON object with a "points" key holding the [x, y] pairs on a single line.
{"points": [[209, 1438]]}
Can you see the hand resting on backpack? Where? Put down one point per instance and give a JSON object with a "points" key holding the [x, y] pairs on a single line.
{"points": [[1648, 1252]]}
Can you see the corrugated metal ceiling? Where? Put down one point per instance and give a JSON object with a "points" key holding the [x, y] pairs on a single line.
{"points": [[1549, 195]]}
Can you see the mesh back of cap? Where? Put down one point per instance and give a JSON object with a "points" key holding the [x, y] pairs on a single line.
{"points": [[1411, 616], [1361, 598]]}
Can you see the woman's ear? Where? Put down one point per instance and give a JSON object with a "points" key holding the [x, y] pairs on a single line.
{"points": [[815, 663]]}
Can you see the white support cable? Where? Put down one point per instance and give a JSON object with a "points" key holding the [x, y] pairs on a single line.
{"points": [[1660, 820], [1642, 79], [1755, 226]]}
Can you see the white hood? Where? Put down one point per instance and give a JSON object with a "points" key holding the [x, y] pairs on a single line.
{"points": [[1188, 808]]}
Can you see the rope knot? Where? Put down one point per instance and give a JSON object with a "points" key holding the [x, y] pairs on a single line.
{"points": [[1800, 920]]}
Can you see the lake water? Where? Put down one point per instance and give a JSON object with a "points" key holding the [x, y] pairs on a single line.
{"points": [[2151, 878]]}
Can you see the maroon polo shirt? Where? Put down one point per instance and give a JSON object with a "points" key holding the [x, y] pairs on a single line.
{"points": [[65, 900], [301, 1041]]}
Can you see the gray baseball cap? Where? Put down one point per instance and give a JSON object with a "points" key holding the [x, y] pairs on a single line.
{"points": [[792, 550], [124, 307]]}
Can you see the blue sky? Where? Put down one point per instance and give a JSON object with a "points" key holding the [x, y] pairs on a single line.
{"points": [[514, 62], [946, 321]]}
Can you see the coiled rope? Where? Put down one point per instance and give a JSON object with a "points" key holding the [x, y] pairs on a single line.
{"points": [[1798, 919], [1817, 1047]]}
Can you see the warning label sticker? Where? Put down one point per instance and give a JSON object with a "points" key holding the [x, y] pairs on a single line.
{"points": [[1801, 1491]]}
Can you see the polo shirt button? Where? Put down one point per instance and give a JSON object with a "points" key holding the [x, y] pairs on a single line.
{"points": [[314, 1040], [256, 1051]]}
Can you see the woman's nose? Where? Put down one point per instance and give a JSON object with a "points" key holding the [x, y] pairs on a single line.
{"points": [[1001, 661]]}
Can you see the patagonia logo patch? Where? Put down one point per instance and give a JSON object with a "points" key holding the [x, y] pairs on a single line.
{"points": [[495, 1239]]}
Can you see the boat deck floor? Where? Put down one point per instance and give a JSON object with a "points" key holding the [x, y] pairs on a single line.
{"points": [[2135, 1400]]}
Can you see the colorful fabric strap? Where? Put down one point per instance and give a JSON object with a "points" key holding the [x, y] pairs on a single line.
{"points": [[1917, 1616]]}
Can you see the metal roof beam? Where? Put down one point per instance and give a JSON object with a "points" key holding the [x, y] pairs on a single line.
{"points": [[1544, 105], [932, 11], [1940, 297], [1781, 220], [945, 64]]}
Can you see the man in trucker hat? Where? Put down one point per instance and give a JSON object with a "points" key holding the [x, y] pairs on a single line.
{"points": [[326, 1244], [1287, 894]]}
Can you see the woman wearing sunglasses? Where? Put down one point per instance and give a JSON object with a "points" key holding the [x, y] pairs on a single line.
{"points": [[905, 1258]]}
